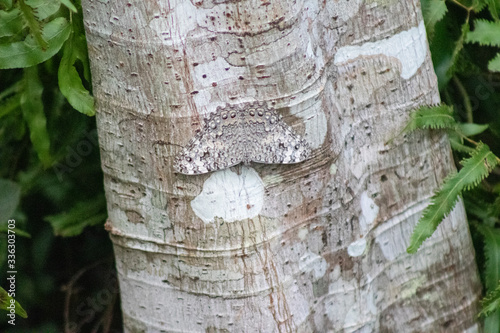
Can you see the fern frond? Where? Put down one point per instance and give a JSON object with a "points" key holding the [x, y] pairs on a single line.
{"points": [[494, 64], [492, 8], [33, 24], [474, 170], [431, 117], [492, 253], [490, 303], [455, 57], [486, 33], [433, 12]]}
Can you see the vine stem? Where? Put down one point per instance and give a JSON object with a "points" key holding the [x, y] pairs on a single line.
{"points": [[465, 96]]}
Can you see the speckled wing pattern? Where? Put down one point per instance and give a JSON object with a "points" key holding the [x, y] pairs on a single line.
{"points": [[249, 132]]}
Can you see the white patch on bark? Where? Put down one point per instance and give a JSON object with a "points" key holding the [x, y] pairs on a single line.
{"points": [[311, 262], [315, 122], [230, 196], [357, 248], [333, 169], [369, 212], [473, 329], [358, 308], [409, 47], [361, 315], [302, 233], [336, 312]]}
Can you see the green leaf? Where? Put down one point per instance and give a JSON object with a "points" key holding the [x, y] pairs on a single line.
{"points": [[431, 117], [493, 7], [6, 301], [44, 8], [472, 129], [6, 4], [33, 24], [442, 45], [485, 33], [69, 5], [492, 254], [494, 65], [458, 48], [9, 105], [458, 145], [477, 5], [19, 232], [70, 83], [9, 200], [433, 12], [490, 308], [11, 22], [28, 53], [474, 169], [490, 303], [83, 214], [32, 108]]}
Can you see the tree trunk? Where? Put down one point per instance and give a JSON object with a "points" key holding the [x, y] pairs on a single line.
{"points": [[315, 246]]}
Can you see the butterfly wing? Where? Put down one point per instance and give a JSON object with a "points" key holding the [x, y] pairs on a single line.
{"points": [[217, 146], [271, 140], [252, 133]]}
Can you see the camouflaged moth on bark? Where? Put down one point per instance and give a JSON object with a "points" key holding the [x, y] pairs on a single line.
{"points": [[249, 132]]}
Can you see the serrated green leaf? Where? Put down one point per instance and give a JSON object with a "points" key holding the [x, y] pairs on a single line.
{"points": [[485, 33], [490, 308], [70, 83], [32, 108], [433, 12], [477, 5], [472, 129], [33, 24], [9, 199], [11, 22], [69, 5], [431, 117], [83, 214], [28, 53], [494, 65], [493, 7], [5, 303], [474, 169], [458, 48]]}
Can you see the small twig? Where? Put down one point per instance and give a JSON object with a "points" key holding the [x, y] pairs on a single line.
{"points": [[68, 288], [465, 96], [107, 318], [468, 9]]}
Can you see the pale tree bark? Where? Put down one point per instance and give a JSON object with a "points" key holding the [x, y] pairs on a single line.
{"points": [[317, 246]]}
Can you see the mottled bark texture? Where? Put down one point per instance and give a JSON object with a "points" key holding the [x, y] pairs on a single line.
{"points": [[312, 247]]}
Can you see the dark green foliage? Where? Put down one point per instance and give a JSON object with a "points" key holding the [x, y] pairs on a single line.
{"points": [[464, 38], [50, 176]]}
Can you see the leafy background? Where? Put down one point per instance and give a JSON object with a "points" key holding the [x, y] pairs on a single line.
{"points": [[51, 181], [50, 175]]}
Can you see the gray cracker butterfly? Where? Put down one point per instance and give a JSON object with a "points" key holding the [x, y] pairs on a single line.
{"points": [[250, 132]]}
